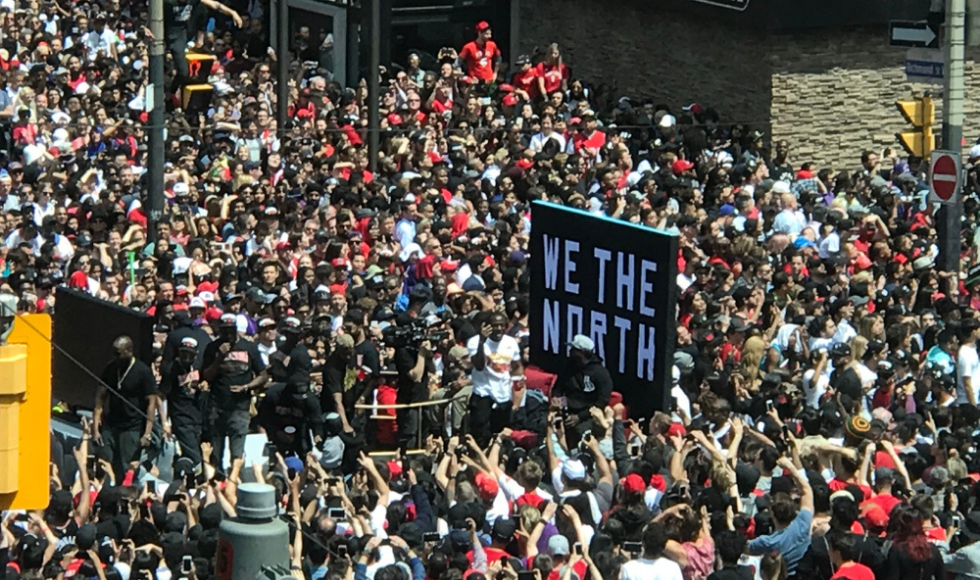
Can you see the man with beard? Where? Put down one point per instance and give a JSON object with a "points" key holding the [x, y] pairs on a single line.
{"points": [[584, 384], [185, 392], [495, 357], [234, 369], [127, 425]]}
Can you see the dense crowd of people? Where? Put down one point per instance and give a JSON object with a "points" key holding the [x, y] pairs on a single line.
{"points": [[824, 411]]}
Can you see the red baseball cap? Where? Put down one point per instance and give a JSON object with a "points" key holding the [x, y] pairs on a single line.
{"points": [[487, 486], [482, 25], [682, 165], [633, 483]]}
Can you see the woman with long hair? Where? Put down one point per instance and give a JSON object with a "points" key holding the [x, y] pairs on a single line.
{"points": [[911, 556]]}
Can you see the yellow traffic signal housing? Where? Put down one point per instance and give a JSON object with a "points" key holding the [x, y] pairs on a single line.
{"points": [[921, 113], [25, 414]]}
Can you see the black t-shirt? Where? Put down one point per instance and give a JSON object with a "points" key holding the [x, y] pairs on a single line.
{"points": [[410, 391], [732, 573], [177, 15], [180, 385], [338, 377], [781, 172], [847, 382], [239, 367], [366, 357], [135, 384]]}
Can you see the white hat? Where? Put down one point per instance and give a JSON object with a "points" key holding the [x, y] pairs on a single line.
{"points": [[582, 342], [198, 302], [182, 264], [573, 469], [410, 249], [975, 151], [780, 187], [181, 188], [667, 121]]}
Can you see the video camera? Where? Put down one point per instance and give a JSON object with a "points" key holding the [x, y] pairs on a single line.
{"points": [[412, 335]]}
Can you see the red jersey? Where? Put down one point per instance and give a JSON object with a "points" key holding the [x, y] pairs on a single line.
{"points": [[853, 571], [595, 141], [553, 76], [526, 81], [885, 501], [479, 60]]}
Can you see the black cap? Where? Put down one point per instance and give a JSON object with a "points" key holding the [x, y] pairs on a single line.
{"points": [[86, 536]]}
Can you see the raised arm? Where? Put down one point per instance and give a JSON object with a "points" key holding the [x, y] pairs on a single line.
{"points": [[806, 500]]}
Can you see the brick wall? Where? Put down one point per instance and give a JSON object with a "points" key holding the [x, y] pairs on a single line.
{"points": [[659, 55], [831, 93]]}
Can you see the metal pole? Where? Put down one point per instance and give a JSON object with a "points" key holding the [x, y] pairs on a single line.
{"points": [[157, 110], [953, 97], [373, 73], [282, 57]]}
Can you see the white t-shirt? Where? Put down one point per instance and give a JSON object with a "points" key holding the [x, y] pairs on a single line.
{"points": [[967, 365], [494, 380], [644, 569], [814, 389]]}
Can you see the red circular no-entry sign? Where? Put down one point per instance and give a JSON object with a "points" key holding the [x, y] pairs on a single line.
{"points": [[944, 176]]}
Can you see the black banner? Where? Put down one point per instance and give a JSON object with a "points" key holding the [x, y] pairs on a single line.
{"points": [[616, 283], [84, 329]]}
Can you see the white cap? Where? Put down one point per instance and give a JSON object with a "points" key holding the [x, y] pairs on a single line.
{"points": [[582, 342], [780, 187], [197, 302], [181, 188], [975, 151], [573, 469], [667, 121]]}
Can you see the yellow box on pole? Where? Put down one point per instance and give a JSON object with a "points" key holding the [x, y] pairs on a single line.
{"points": [[25, 414], [921, 114]]}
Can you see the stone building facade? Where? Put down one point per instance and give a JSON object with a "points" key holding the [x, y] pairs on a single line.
{"points": [[830, 92]]}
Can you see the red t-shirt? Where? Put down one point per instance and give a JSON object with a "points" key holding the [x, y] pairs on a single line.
{"points": [[595, 141], [885, 500], [553, 76], [854, 571], [479, 60], [493, 555], [526, 81], [440, 106]]}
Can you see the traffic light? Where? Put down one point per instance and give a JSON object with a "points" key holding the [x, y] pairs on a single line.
{"points": [[25, 414], [920, 112]]}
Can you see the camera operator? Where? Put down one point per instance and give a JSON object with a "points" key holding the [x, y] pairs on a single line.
{"points": [[291, 415], [414, 363], [495, 356]]}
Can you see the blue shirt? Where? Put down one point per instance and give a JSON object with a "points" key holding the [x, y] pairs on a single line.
{"points": [[792, 541]]}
